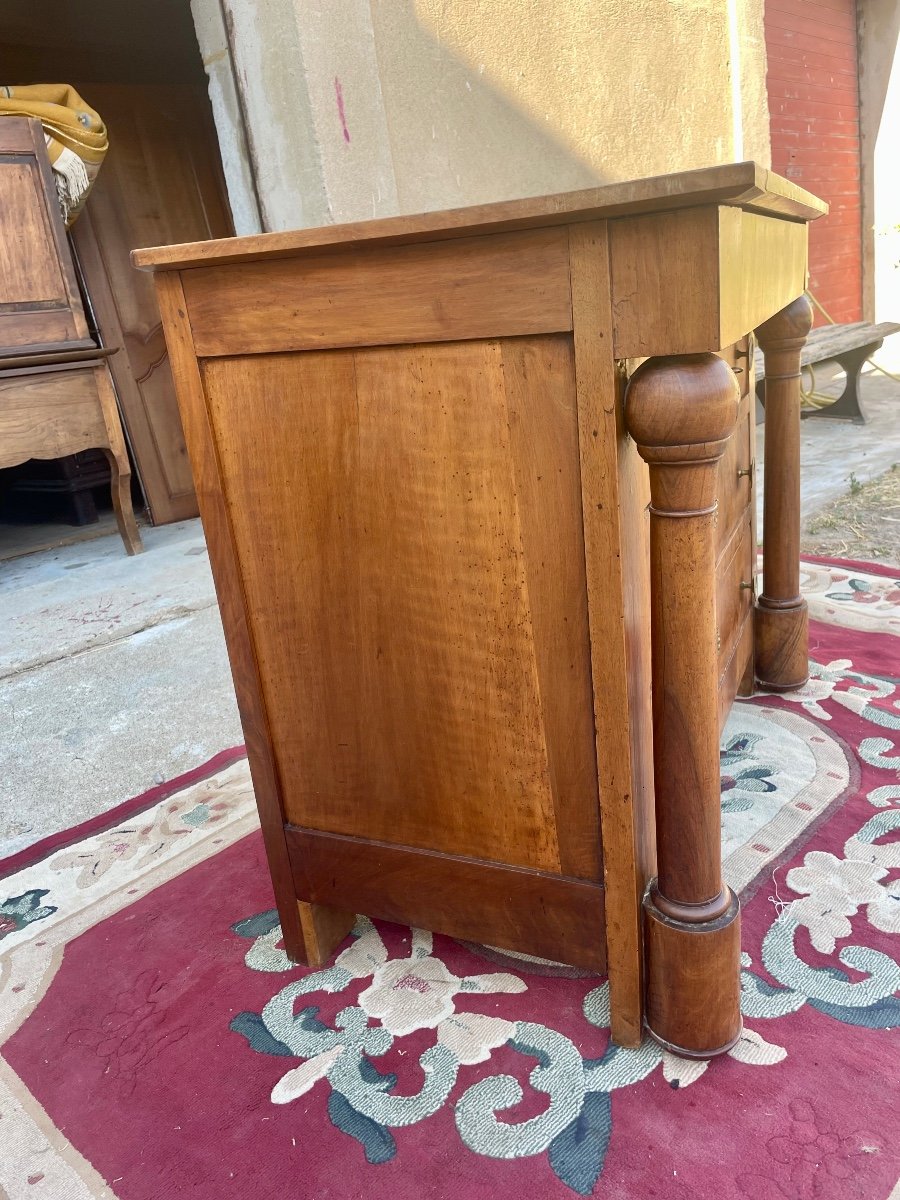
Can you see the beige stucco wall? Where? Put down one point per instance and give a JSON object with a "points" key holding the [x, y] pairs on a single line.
{"points": [[879, 94], [362, 108]]}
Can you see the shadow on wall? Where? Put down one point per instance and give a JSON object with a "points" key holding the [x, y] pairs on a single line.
{"points": [[363, 110]]}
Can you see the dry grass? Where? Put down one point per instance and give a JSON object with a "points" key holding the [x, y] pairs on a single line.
{"points": [[863, 524]]}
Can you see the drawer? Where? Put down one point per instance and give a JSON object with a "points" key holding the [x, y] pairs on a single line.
{"points": [[735, 475], [739, 358], [733, 599]]}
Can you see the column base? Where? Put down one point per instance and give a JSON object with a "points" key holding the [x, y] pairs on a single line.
{"points": [[693, 980], [781, 645]]}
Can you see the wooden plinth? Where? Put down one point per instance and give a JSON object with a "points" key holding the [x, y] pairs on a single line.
{"points": [[693, 989]]}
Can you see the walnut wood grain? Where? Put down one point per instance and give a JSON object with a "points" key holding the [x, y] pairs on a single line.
{"points": [[615, 494], [681, 412], [530, 912], [693, 980], [443, 591], [743, 185], [692, 280], [511, 284], [782, 623], [414, 575], [39, 299], [232, 603]]}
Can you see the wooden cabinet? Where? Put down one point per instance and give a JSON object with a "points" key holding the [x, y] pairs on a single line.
{"points": [[161, 182], [457, 549], [56, 395], [40, 307]]}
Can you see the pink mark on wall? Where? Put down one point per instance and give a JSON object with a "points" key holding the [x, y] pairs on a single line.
{"points": [[339, 96]]}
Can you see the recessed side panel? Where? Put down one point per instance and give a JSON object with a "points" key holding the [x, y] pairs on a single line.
{"points": [[408, 527]]}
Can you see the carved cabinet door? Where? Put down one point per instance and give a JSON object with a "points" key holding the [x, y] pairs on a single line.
{"points": [[160, 183]]}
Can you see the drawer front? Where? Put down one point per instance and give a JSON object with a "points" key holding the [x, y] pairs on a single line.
{"points": [[734, 597], [735, 475]]}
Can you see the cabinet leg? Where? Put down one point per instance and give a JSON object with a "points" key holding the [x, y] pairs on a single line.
{"points": [[120, 482], [781, 622], [323, 930], [680, 412], [120, 468]]}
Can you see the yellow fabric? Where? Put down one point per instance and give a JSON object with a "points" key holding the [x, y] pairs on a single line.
{"points": [[75, 136]]}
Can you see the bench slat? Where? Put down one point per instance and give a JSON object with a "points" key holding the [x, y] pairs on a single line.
{"points": [[830, 341]]}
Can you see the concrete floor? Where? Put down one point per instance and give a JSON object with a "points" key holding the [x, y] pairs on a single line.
{"points": [[113, 672], [113, 677]]}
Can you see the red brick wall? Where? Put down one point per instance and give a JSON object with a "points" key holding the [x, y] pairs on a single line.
{"points": [[813, 89]]}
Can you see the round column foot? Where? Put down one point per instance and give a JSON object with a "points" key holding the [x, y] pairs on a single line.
{"points": [[693, 980], [781, 645]]}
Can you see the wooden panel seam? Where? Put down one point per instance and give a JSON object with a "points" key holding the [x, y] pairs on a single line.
{"points": [[597, 433], [477, 288], [230, 591]]}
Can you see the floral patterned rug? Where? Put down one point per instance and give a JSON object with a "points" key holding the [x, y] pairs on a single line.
{"points": [[156, 1042]]}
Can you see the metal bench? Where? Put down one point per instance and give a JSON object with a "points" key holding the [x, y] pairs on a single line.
{"points": [[848, 345]]}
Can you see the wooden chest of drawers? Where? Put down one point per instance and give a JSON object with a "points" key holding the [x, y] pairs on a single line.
{"points": [[459, 544]]}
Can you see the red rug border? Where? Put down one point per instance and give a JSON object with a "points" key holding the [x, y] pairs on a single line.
{"points": [[866, 568], [40, 850]]}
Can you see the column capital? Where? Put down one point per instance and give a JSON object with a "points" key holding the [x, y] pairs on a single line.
{"points": [[681, 410], [790, 325]]}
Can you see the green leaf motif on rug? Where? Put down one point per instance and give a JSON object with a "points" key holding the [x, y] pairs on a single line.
{"points": [[419, 992], [18, 911]]}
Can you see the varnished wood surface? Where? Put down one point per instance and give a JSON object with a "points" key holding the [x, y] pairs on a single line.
{"points": [[734, 485], [781, 615], [512, 284], [441, 583], [513, 909], [681, 412], [615, 493], [693, 984], [232, 604], [39, 300], [160, 182], [744, 185], [734, 601], [323, 930], [418, 618], [689, 281], [737, 678]]}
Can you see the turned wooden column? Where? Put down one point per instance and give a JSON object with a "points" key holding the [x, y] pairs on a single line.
{"points": [[680, 412], [781, 623]]}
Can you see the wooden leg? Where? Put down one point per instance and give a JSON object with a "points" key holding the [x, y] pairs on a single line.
{"points": [[781, 622], [119, 465], [323, 930], [680, 412]]}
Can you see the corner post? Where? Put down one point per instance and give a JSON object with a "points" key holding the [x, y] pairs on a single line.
{"points": [[680, 412], [781, 622]]}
